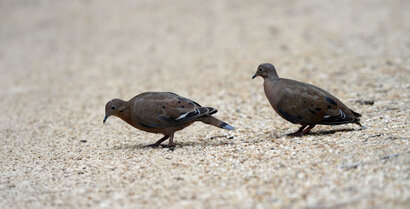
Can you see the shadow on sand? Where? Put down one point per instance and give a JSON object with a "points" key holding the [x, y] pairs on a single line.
{"points": [[209, 143], [322, 133], [204, 143]]}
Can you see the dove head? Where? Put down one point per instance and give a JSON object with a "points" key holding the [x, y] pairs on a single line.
{"points": [[266, 70], [114, 107]]}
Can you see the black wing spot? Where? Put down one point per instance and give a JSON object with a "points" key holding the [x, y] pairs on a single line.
{"points": [[328, 106], [318, 109], [331, 101], [304, 102], [163, 107], [183, 106], [311, 111], [311, 105], [179, 102]]}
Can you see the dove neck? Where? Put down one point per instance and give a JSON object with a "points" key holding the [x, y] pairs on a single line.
{"points": [[271, 78], [271, 75], [124, 113]]}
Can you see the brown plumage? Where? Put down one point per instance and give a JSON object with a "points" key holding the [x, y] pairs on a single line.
{"points": [[162, 112], [302, 103]]}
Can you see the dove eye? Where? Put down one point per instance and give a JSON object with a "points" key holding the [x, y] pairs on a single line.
{"points": [[113, 107], [260, 69]]}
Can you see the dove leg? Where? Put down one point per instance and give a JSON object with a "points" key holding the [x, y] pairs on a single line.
{"points": [[308, 129], [156, 144], [299, 132], [171, 143]]}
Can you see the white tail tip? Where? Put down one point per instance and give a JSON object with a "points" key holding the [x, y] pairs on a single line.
{"points": [[228, 127]]}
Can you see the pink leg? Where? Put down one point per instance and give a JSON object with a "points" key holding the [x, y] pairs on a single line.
{"points": [[156, 144], [299, 132], [308, 129], [171, 145]]}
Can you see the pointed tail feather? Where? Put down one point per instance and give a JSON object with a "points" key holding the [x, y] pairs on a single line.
{"points": [[356, 114], [215, 122]]}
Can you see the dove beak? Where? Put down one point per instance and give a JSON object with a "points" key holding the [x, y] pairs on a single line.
{"points": [[254, 76], [105, 118]]}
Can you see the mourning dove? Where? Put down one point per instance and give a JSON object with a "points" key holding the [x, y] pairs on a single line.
{"points": [[162, 112], [302, 103]]}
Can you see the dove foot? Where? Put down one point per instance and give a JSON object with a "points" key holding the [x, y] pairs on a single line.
{"points": [[156, 144], [170, 146], [302, 132], [297, 133]]}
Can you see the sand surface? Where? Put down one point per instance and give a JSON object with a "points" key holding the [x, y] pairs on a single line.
{"points": [[61, 61]]}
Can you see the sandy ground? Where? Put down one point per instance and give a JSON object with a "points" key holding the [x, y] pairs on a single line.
{"points": [[61, 61]]}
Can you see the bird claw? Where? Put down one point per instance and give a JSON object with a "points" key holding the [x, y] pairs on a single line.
{"points": [[153, 145], [295, 134], [170, 146]]}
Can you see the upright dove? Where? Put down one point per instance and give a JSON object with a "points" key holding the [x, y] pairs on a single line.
{"points": [[302, 103], [162, 113]]}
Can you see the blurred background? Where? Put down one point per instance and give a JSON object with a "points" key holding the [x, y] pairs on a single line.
{"points": [[61, 61]]}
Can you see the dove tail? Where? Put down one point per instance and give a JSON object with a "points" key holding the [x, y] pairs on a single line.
{"points": [[215, 122], [358, 115], [357, 121]]}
